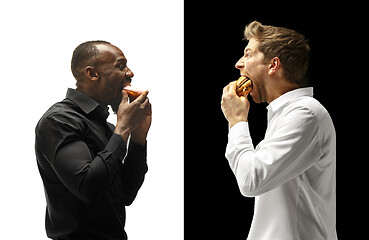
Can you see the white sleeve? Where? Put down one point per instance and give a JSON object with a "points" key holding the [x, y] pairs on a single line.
{"points": [[291, 149]]}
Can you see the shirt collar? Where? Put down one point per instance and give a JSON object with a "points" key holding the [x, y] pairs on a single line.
{"points": [[86, 103], [280, 101]]}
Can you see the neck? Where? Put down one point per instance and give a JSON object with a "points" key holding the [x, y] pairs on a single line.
{"points": [[89, 91], [280, 88]]}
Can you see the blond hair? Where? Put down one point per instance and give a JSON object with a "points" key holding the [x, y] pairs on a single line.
{"points": [[288, 45]]}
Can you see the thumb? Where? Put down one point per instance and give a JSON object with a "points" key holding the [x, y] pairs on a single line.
{"points": [[233, 86], [142, 97], [244, 98], [124, 97]]}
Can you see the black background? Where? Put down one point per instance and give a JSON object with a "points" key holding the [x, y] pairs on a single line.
{"points": [[214, 207]]}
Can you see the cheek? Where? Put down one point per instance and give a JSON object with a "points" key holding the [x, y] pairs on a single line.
{"points": [[253, 63], [255, 67], [110, 89], [251, 66], [112, 80]]}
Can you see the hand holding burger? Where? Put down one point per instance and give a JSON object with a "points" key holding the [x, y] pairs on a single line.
{"points": [[134, 115]]}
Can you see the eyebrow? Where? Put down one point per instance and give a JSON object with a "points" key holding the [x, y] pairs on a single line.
{"points": [[122, 60], [247, 49]]}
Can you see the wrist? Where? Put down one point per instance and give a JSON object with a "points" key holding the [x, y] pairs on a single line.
{"points": [[123, 132], [234, 122], [139, 138]]}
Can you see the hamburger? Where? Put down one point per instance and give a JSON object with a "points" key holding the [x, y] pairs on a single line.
{"points": [[244, 86], [132, 92]]}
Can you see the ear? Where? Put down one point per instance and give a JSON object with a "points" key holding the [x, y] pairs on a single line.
{"points": [[274, 65], [91, 73]]}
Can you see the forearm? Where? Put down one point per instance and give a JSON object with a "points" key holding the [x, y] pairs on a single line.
{"points": [[240, 153], [133, 171]]}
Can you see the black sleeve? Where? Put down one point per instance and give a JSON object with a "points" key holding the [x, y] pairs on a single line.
{"points": [[133, 171], [85, 177], [60, 140]]}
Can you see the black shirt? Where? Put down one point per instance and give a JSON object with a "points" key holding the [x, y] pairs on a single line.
{"points": [[87, 186]]}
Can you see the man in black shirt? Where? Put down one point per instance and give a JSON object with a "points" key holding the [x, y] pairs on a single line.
{"points": [[90, 168]]}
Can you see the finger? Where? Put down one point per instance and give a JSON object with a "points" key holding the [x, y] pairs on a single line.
{"points": [[232, 87], [142, 97], [148, 110], [244, 98], [124, 97], [146, 104]]}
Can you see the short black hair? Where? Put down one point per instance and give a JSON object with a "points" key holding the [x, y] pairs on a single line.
{"points": [[85, 52]]}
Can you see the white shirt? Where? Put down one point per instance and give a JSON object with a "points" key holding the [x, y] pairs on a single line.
{"points": [[291, 173]]}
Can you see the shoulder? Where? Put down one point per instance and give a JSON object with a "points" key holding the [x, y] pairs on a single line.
{"points": [[309, 113], [61, 113], [308, 106]]}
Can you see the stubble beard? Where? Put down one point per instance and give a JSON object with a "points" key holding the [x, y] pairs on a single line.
{"points": [[115, 104]]}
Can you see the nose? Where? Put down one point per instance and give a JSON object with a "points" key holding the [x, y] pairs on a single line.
{"points": [[129, 73], [239, 64]]}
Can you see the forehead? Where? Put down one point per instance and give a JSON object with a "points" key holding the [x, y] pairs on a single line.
{"points": [[109, 53], [252, 45]]}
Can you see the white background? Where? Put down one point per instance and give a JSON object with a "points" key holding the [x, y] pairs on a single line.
{"points": [[37, 41]]}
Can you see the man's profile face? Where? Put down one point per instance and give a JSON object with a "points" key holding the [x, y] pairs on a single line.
{"points": [[114, 74], [252, 65]]}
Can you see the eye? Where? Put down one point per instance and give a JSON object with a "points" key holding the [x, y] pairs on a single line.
{"points": [[122, 66]]}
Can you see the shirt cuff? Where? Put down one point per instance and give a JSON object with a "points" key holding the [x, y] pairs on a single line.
{"points": [[239, 136], [240, 128], [137, 148], [239, 142]]}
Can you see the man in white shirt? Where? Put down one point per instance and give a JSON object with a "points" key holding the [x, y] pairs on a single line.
{"points": [[292, 171]]}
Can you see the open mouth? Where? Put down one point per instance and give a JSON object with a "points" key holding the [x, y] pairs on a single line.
{"points": [[125, 83]]}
